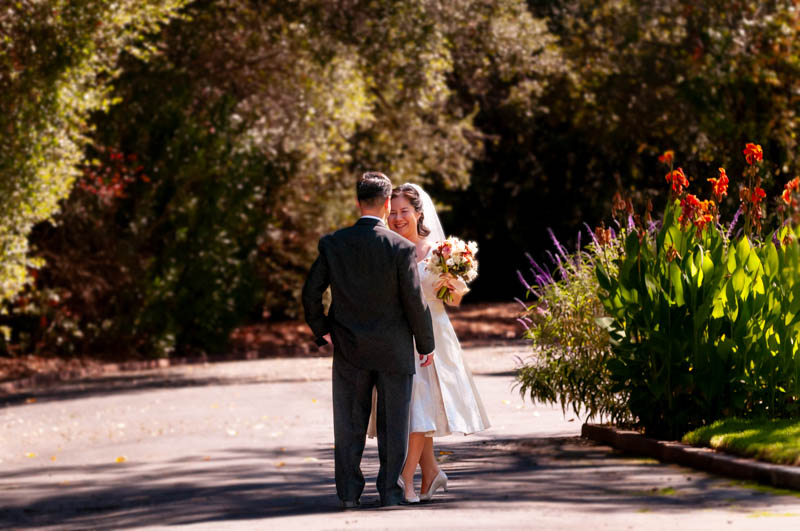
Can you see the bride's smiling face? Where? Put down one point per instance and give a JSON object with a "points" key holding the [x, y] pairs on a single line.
{"points": [[403, 218]]}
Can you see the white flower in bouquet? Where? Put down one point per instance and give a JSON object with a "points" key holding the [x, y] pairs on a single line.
{"points": [[453, 259]]}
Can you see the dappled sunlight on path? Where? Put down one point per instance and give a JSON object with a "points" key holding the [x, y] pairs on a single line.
{"points": [[250, 444]]}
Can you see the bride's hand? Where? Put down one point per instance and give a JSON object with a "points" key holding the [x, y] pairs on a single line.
{"points": [[455, 285], [458, 286]]}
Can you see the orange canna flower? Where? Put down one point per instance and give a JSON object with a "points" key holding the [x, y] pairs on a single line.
{"points": [[793, 185], [720, 185], [678, 180], [701, 221], [667, 157], [752, 152], [787, 196]]}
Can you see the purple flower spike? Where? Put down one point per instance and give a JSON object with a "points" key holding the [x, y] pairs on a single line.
{"points": [[543, 273], [613, 233], [523, 281], [775, 240], [559, 247], [591, 233], [733, 223], [523, 323], [631, 224], [579, 241], [522, 303]]}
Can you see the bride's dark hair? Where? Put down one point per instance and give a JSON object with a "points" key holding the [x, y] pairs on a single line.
{"points": [[410, 193]]}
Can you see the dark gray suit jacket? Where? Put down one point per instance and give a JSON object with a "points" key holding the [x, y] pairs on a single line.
{"points": [[377, 308]]}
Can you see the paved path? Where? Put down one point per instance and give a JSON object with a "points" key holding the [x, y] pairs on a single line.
{"points": [[247, 445]]}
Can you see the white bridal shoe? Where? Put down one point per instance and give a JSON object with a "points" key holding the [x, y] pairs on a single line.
{"points": [[414, 499], [439, 481]]}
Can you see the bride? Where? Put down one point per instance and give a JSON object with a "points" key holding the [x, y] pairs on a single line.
{"points": [[444, 398]]}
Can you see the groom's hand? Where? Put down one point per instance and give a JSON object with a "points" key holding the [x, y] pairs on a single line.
{"points": [[426, 359]]}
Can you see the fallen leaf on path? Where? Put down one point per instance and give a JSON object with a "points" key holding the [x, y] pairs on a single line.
{"points": [[30, 401], [232, 433], [207, 458], [314, 400], [30, 454], [283, 448], [310, 460], [53, 458], [445, 452], [279, 464], [506, 402], [121, 459]]}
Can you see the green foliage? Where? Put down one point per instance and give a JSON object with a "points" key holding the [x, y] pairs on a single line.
{"points": [[618, 83], [570, 346], [57, 61], [704, 327], [251, 121], [777, 441]]}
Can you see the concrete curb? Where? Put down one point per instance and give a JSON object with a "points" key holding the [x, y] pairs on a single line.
{"points": [[782, 476]]}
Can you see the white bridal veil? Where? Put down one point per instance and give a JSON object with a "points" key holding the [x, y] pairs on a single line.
{"points": [[431, 218]]}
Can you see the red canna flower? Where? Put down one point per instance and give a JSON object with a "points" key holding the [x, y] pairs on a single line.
{"points": [[758, 195], [678, 180], [752, 152], [667, 157], [793, 185], [720, 185], [689, 206]]}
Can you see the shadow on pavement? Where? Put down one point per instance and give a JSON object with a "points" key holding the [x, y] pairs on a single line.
{"points": [[119, 384], [133, 383], [243, 484]]}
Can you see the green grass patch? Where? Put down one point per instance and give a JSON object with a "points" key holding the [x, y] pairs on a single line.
{"points": [[766, 489], [777, 441]]}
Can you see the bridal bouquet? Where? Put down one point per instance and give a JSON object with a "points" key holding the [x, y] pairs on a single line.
{"points": [[454, 261]]}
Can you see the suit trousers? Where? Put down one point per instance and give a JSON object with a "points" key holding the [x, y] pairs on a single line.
{"points": [[352, 402]]}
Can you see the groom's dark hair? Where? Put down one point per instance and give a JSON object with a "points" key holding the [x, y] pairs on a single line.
{"points": [[373, 189]]}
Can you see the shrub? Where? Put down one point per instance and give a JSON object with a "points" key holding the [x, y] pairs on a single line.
{"points": [[570, 346], [57, 62], [704, 325]]}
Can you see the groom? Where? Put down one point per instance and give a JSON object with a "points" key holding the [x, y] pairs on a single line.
{"points": [[376, 314]]}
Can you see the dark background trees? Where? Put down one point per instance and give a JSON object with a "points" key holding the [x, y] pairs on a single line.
{"points": [[235, 142]]}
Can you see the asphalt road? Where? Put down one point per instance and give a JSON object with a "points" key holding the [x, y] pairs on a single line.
{"points": [[248, 445]]}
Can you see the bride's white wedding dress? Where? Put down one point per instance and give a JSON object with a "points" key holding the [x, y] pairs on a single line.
{"points": [[444, 398]]}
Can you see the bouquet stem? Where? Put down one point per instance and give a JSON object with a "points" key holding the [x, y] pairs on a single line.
{"points": [[444, 294]]}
